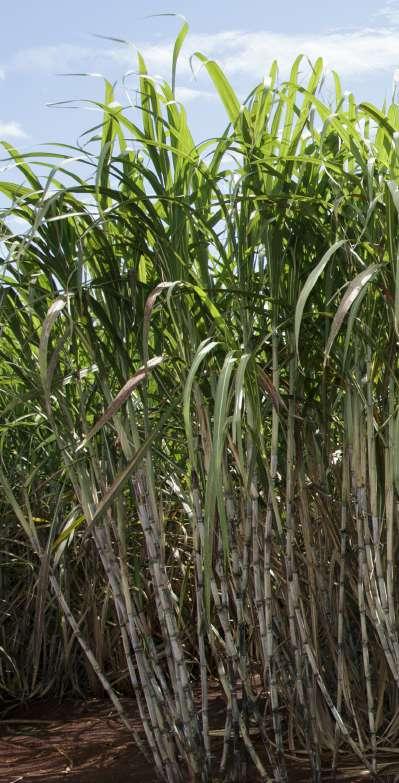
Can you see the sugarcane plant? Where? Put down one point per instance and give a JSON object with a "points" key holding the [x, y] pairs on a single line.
{"points": [[199, 388]]}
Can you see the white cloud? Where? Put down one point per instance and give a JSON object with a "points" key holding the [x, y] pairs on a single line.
{"points": [[249, 55], [12, 130], [355, 53], [187, 94], [71, 58], [389, 12], [51, 59], [2, 74]]}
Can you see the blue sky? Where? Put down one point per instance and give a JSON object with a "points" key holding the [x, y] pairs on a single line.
{"points": [[43, 39]]}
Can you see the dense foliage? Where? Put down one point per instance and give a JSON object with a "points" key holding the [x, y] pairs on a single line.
{"points": [[199, 428]]}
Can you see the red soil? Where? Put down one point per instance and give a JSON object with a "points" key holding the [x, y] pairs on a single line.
{"points": [[83, 742]]}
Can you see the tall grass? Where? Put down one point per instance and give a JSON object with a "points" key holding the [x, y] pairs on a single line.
{"points": [[199, 392]]}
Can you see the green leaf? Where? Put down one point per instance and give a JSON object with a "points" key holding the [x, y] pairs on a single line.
{"points": [[176, 51], [214, 484], [223, 87], [205, 348], [350, 296], [309, 285]]}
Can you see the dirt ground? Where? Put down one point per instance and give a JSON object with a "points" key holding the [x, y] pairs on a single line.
{"points": [[83, 742]]}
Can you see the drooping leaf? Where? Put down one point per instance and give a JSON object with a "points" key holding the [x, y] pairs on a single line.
{"points": [[350, 296], [309, 285]]}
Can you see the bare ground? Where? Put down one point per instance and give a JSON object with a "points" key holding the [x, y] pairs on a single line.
{"points": [[83, 742]]}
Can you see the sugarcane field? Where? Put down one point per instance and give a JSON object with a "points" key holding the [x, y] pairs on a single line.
{"points": [[199, 427]]}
